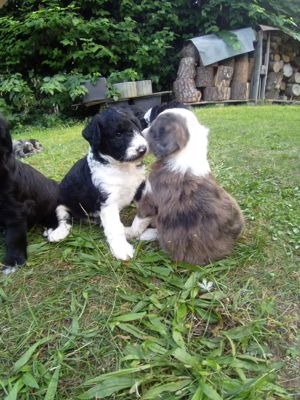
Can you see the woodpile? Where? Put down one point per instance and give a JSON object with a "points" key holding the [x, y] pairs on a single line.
{"points": [[230, 79], [283, 81], [227, 80]]}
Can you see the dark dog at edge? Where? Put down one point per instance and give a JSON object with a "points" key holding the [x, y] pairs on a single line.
{"points": [[26, 198]]}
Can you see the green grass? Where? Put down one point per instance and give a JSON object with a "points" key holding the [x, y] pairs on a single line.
{"points": [[76, 323]]}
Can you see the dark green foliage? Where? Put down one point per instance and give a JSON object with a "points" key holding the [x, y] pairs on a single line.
{"points": [[50, 47]]}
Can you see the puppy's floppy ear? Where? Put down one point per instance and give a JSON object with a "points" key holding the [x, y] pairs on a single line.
{"points": [[5, 138], [92, 132]]}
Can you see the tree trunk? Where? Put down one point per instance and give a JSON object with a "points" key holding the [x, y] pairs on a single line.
{"points": [[240, 90], [185, 91], [187, 68], [189, 50], [223, 76], [216, 93], [204, 76]]}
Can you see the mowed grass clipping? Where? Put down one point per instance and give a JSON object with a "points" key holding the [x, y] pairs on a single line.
{"points": [[77, 324]]}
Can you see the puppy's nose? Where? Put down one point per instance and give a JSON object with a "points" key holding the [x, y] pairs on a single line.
{"points": [[142, 149]]}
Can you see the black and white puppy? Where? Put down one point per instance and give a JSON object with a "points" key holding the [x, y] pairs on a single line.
{"points": [[101, 184], [26, 198]]}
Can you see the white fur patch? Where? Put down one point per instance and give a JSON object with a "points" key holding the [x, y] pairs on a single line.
{"points": [[147, 116], [193, 157], [137, 142], [137, 228], [7, 270], [63, 229], [150, 234], [119, 180]]}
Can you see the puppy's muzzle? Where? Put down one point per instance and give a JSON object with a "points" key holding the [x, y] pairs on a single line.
{"points": [[141, 150]]}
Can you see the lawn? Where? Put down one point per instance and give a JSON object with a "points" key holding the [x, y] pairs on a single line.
{"points": [[77, 324]]}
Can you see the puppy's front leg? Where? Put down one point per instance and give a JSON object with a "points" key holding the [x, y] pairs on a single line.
{"points": [[115, 233], [139, 225], [15, 247]]}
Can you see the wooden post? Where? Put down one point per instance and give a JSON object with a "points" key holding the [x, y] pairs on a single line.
{"points": [[255, 82], [266, 64]]}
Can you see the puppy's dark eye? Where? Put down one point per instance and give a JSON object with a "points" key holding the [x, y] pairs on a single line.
{"points": [[118, 134]]}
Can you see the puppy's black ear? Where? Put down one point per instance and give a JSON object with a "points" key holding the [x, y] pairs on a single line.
{"points": [[92, 132], [5, 138]]}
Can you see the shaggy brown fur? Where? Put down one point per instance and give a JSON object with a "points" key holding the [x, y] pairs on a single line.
{"points": [[196, 219]]}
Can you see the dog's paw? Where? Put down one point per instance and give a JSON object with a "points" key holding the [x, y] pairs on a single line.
{"points": [[130, 233], [149, 234], [7, 269], [47, 232], [58, 234], [122, 250]]}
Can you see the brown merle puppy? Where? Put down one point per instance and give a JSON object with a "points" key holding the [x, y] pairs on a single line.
{"points": [[197, 221]]}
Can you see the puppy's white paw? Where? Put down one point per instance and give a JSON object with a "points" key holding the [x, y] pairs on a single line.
{"points": [[122, 250], [58, 234], [7, 270], [150, 234], [47, 232], [130, 233]]}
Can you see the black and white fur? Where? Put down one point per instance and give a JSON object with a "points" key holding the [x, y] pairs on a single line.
{"points": [[153, 112], [101, 184], [26, 198]]}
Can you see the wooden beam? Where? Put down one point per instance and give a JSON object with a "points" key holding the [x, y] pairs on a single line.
{"points": [[255, 82], [266, 64]]}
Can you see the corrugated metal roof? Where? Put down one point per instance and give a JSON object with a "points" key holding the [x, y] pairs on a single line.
{"points": [[212, 48]]}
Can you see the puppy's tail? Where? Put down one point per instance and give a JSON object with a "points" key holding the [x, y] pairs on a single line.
{"points": [[64, 225], [5, 138]]}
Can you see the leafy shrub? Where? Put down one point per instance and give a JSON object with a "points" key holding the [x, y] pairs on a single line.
{"points": [[55, 44]]}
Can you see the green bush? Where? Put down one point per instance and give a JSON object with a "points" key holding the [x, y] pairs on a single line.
{"points": [[48, 48]]}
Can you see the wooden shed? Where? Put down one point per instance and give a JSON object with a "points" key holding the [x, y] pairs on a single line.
{"points": [[255, 66]]}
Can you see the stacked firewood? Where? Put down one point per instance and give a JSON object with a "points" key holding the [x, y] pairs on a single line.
{"points": [[283, 80], [226, 80], [230, 79]]}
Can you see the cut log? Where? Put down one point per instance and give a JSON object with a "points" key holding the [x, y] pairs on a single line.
{"points": [[295, 78], [240, 90], [185, 91], [204, 76], [287, 70], [293, 89], [187, 68], [229, 62], [274, 46], [283, 86], [189, 50], [274, 81], [251, 68], [241, 69], [223, 76], [275, 66], [286, 58], [216, 93], [272, 94], [277, 57]]}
